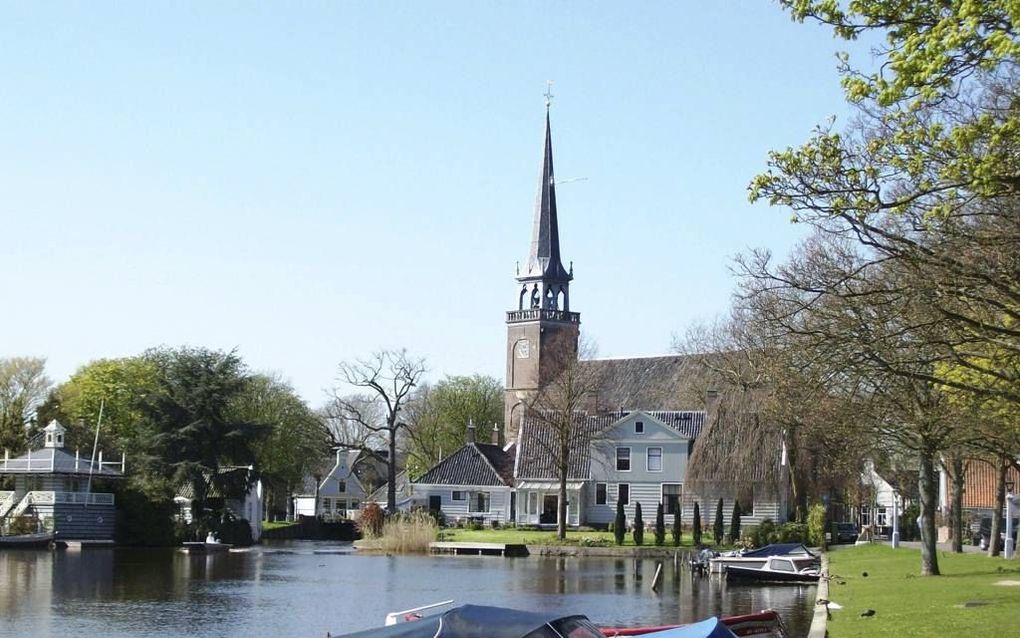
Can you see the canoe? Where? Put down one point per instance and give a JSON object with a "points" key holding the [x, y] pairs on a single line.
{"points": [[762, 623]]}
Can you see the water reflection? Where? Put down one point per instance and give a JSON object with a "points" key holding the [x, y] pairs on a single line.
{"points": [[289, 589]]}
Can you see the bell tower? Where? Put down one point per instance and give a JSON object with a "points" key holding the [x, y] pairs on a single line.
{"points": [[542, 333]]}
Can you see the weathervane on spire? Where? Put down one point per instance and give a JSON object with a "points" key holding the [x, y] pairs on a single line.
{"points": [[548, 93]]}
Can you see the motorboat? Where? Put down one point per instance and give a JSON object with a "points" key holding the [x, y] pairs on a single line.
{"points": [[801, 556], [27, 541], [776, 569], [211, 545]]}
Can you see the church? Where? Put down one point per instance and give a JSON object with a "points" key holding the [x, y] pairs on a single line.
{"points": [[637, 422]]}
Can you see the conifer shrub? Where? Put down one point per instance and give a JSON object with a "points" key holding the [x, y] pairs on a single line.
{"points": [[816, 526], [678, 527], [735, 523], [717, 528], [660, 527], [639, 526], [696, 525], [620, 524]]}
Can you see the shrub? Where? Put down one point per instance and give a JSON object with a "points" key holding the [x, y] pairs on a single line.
{"points": [[25, 524], [696, 527], [620, 524], [717, 528], [816, 526], [474, 524], [639, 526], [908, 523], [678, 527], [234, 531], [370, 520], [660, 527], [143, 521], [768, 532], [735, 523], [792, 533]]}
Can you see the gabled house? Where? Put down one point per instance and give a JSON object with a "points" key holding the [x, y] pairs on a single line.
{"points": [[476, 482], [238, 490], [338, 495]]}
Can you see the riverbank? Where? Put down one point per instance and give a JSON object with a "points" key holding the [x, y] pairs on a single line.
{"points": [[975, 595]]}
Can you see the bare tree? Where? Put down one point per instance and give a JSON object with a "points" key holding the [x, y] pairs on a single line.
{"points": [[559, 409], [23, 387], [372, 418]]}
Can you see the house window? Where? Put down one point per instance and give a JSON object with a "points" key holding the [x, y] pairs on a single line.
{"points": [[532, 503], [671, 493], [745, 497], [623, 493], [600, 493], [341, 486], [881, 517], [458, 495], [639, 427], [354, 505], [654, 463], [479, 502], [623, 459], [865, 517]]}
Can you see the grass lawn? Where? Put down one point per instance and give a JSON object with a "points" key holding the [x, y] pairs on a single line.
{"points": [[536, 537], [278, 524], [907, 604]]}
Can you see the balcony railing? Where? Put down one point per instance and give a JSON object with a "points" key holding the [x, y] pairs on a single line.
{"points": [[540, 314]]}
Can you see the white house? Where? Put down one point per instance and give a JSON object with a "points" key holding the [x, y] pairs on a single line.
{"points": [[340, 493]]}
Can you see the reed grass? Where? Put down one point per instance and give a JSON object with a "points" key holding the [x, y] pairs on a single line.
{"points": [[408, 533]]}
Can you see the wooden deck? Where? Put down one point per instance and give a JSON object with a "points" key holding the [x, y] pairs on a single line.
{"points": [[507, 550]]}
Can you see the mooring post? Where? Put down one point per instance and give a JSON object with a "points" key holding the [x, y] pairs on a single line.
{"points": [[657, 577]]}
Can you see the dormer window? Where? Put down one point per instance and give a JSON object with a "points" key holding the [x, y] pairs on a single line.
{"points": [[639, 427]]}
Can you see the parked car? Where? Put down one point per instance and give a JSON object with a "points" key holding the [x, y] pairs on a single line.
{"points": [[845, 533], [984, 533]]}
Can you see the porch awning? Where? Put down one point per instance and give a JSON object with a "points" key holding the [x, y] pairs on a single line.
{"points": [[548, 485]]}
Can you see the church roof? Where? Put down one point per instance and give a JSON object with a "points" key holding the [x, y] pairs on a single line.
{"points": [[544, 256], [536, 457], [670, 382], [473, 464], [56, 461]]}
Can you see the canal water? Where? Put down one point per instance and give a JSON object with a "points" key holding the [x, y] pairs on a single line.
{"points": [[301, 588]]}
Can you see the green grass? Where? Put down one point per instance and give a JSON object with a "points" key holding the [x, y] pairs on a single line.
{"points": [[536, 537], [277, 524], [907, 604]]}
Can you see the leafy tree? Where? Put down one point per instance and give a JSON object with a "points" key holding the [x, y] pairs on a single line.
{"points": [[660, 526], [678, 528], [23, 387], [639, 526], [620, 523], [696, 525], [735, 523], [372, 420], [191, 430], [437, 415], [717, 528]]}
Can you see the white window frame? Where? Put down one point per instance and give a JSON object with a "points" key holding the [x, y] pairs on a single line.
{"points": [[341, 486], [454, 495], [618, 486], [679, 499], [639, 427], [471, 502], [630, 458], [605, 493], [648, 459], [532, 503]]}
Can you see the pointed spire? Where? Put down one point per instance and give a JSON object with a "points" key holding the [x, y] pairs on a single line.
{"points": [[544, 257]]}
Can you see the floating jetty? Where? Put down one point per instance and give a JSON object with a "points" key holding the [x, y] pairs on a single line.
{"points": [[508, 550]]}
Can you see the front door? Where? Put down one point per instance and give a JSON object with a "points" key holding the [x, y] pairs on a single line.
{"points": [[435, 502], [549, 502]]}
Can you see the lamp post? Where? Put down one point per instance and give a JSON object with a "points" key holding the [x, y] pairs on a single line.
{"points": [[1009, 518], [895, 519]]}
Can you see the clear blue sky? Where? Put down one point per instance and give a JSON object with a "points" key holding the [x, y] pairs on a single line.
{"points": [[311, 182]]}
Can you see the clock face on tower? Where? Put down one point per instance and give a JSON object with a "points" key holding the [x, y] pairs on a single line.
{"points": [[522, 350]]}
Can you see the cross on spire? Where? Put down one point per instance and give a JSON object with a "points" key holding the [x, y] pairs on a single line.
{"points": [[548, 93]]}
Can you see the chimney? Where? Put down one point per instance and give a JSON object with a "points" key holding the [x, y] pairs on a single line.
{"points": [[495, 434], [711, 404], [471, 431]]}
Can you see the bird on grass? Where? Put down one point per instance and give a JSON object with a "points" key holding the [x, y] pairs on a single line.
{"points": [[867, 613]]}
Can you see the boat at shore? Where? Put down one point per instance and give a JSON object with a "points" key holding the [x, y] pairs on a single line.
{"points": [[776, 569], [798, 553], [477, 621], [27, 541]]}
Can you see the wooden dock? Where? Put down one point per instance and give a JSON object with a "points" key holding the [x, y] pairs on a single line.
{"points": [[507, 550]]}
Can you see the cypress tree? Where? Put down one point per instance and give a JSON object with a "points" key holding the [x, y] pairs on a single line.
{"points": [[639, 526], [620, 525], [717, 529], [678, 526], [660, 526], [735, 523], [696, 527]]}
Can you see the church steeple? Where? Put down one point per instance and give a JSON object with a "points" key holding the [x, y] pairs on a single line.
{"points": [[544, 257]]}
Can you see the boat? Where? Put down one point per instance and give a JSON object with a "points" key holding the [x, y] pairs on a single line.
{"points": [[801, 556], [27, 541], [777, 569], [476, 621], [210, 545]]}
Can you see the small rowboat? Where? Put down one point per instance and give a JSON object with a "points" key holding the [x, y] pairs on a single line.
{"points": [[27, 541]]}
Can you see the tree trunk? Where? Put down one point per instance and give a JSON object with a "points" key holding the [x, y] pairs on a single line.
{"points": [[391, 472], [928, 487], [1001, 467], [561, 509], [958, 487]]}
